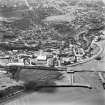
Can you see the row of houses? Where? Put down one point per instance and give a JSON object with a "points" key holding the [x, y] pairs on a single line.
{"points": [[55, 56]]}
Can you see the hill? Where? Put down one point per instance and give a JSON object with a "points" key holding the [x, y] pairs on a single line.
{"points": [[54, 19]]}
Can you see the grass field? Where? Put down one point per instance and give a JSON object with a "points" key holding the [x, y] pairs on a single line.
{"points": [[38, 76]]}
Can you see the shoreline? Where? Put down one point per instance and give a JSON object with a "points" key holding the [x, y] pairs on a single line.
{"points": [[9, 98]]}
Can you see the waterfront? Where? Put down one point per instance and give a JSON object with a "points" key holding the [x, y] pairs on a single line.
{"points": [[52, 52]]}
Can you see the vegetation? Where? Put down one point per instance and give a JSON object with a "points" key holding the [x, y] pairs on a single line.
{"points": [[39, 75], [79, 21], [98, 58], [36, 79], [35, 86], [84, 16]]}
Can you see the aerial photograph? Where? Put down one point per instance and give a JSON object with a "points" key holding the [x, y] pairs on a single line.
{"points": [[52, 52]]}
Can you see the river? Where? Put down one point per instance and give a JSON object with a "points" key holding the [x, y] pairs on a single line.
{"points": [[62, 96]]}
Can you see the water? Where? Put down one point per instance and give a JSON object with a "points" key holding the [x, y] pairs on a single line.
{"points": [[62, 96]]}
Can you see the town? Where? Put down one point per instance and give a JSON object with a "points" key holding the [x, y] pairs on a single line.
{"points": [[50, 57]]}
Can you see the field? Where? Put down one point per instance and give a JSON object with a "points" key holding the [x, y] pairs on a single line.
{"points": [[38, 76]]}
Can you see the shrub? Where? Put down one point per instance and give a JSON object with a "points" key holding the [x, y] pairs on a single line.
{"points": [[34, 86], [2, 93], [30, 86]]}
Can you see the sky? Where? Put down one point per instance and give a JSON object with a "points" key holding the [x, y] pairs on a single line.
{"points": [[104, 1]]}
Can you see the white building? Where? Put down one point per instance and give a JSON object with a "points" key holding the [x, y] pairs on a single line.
{"points": [[41, 58]]}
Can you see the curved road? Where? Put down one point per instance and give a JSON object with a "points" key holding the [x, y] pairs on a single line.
{"points": [[89, 59], [92, 64]]}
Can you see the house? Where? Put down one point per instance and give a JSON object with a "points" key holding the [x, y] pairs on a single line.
{"points": [[41, 60], [79, 52], [41, 57]]}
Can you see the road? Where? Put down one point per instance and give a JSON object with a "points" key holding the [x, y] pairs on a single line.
{"points": [[93, 64]]}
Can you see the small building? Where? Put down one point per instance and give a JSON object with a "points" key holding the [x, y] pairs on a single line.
{"points": [[78, 51], [15, 64], [50, 62], [41, 58], [72, 59], [4, 60], [3, 72]]}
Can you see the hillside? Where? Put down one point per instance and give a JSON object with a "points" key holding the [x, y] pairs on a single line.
{"points": [[54, 19]]}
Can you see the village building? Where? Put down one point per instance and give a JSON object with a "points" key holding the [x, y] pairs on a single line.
{"points": [[79, 52]]}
